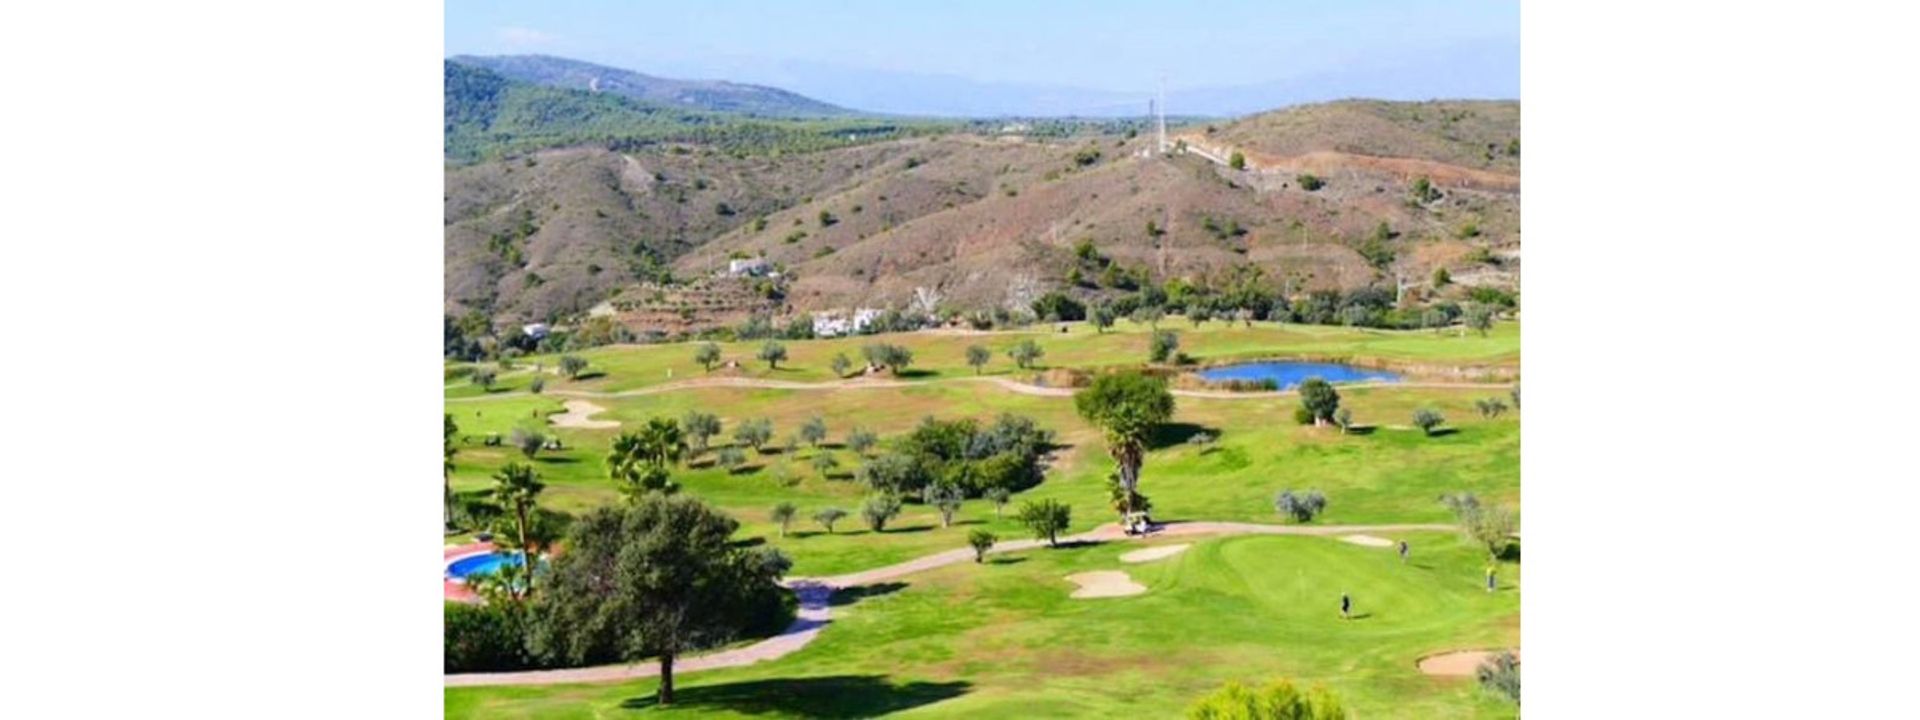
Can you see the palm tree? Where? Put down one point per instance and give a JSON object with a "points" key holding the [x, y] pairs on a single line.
{"points": [[1127, 406], [517, 487], [639, 461], [446, 468]]}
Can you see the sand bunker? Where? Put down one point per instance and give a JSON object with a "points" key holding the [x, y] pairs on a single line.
{"points": [[1153, 553], [1460, 663], [1367, 540], [1105, 583], [579, 414]]}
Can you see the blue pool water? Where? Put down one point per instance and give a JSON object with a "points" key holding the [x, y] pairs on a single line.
{"points": [[1289, 374], [484, 564]]}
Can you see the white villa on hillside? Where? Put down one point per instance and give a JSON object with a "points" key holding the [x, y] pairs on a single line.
{"points": [[750, 267], [834, 323]]}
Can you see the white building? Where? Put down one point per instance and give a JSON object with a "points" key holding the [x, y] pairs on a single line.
{"points": [[750, 267], [536, 331], [835, 323]]}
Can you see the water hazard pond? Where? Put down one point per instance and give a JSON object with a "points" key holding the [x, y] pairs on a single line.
{"points": [[1287, 374]]}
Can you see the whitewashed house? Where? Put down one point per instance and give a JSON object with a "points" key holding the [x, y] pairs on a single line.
{"points": [[750, 267], [835, 323]]}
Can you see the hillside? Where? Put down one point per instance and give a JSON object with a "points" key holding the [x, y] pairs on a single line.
{"points": [[996, 221], [699, 95], [491, 116]]}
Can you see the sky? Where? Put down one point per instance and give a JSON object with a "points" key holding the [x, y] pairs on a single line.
{"points": [[1043, 57]]}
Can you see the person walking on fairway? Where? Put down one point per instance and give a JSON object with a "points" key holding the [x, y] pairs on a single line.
{"points": [[1403, 552], [1346, 607], [1490, 578]]}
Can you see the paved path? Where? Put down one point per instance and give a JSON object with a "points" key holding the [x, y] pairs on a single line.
{"points": [[816, 612], [1004, 383]]}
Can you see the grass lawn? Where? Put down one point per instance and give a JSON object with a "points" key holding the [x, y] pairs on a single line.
{"points": [[1005, 640], [1389, 475], [939, 355]]}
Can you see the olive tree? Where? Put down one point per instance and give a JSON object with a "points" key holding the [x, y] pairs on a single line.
{"points": [[1046, 518], [981, 540], [1163, 346], [1319, 399], [944, 497], [814, 431], [978, 356], [754, 433], [708, 355], [572, 365], [828, 516], [878, 509], [1024, 353], [860, 440], [700, 427], [999, 496], [773, 352], [1428, 420], [1300, 507], [783, 513], [841, 364]]}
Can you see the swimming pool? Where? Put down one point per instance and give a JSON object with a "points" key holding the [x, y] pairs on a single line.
{"points": [[1287, 373], [485, 563]]}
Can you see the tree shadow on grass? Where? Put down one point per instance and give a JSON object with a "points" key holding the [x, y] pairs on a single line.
{"points": [[828, 697], [1361, 429], [1443, 432], [852, 595], [1006, 559], [913, 374], [557, 460], [1176, 433], [589, 375]]}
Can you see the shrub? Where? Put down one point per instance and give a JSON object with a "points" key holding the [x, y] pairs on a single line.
{"points": [[1300, 507], [1344, 418], [878, 509], [1490, 407], [1441, 278], [1279, 699], [1237, 161], [1479, 318], [1310, 182], [1057, 306], [484, 378], [1163, 345], [1423, 191], [484, 638], [529, 441], [1427, 419], [981, 541], [536, 385], [1302, 416], [1500, 675]]}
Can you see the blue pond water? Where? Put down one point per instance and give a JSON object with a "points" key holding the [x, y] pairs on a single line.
{"points": [[1289, 374], [485, 564]]}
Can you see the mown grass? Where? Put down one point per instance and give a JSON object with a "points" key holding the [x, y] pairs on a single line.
{"points": [[1005, 640], [1391, 474], [943, 355]]}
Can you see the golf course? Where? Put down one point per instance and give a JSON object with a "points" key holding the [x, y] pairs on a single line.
{"points": [[904, 620]]}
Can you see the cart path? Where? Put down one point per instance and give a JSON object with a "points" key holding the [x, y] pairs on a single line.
{"points": [[1004, 383], [816, 612]]}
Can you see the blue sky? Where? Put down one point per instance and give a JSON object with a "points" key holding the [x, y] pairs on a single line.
{"points": [[1073, 52]]}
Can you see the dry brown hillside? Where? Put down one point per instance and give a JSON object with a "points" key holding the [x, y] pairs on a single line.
{"points": [[991, 223], [994, 221]]}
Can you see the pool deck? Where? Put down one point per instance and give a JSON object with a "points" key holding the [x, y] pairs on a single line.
{"points": [[456, 591]]}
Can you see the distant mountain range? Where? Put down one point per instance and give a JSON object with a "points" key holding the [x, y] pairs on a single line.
{"points": [[704, 95]]}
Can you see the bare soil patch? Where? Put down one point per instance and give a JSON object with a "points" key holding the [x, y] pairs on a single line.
{"points": [[1104, 583], [1367, 540], [1153, 553]]}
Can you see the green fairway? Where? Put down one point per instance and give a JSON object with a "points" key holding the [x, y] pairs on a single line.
{"points": [[939, 355], [1005, 640]]}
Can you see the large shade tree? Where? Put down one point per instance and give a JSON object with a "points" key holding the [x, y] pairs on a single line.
{"points": [[658, 578], [1127, 407]]}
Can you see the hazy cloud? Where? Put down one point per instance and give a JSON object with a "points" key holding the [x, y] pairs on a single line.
{"points": [[524, 37]]}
